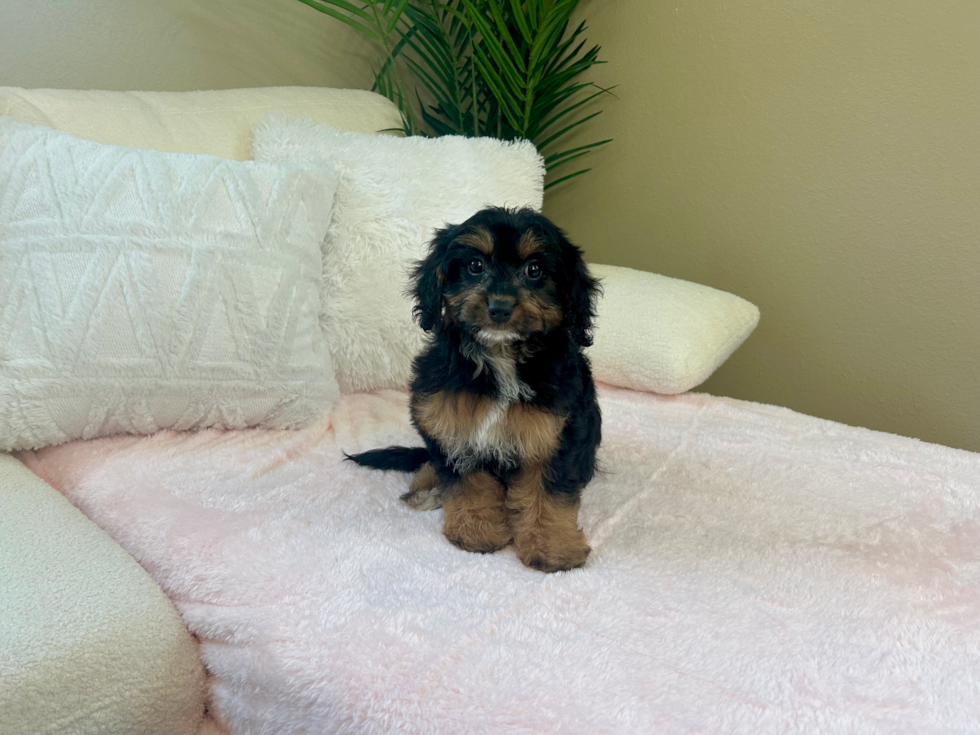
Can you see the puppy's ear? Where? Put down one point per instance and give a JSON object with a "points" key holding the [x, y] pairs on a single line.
{"points": [[428, 280], [580, 293]]}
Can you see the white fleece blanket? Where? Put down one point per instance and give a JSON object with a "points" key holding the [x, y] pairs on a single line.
{"points": [[754, 571]]}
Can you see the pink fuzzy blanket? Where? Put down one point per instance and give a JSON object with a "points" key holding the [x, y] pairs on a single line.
{"points": [[754, 571]]}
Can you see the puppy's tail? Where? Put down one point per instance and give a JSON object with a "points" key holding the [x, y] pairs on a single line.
{"points": [[403, 459]]}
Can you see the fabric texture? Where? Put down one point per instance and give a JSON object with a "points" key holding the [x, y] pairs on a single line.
{"points": [[753, 571], [141, 290], [216, 122], [88, 642], [664, 335], [394, 193]]}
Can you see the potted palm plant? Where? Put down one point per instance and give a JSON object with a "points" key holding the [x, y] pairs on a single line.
{"points": [[508, 69]]}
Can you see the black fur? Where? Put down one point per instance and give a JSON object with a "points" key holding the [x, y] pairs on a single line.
{"points": [[403, 459], [427, 290], [551, 362]]}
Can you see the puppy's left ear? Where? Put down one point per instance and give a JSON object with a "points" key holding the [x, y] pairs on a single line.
{"points": [[428, 280], [581, 293]]}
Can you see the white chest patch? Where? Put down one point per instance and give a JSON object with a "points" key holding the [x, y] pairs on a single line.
{"points": [[512, 388], [492, 441]]}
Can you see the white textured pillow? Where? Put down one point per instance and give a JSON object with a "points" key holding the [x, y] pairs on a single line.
{"points": [[664, 335], [143, 290], [394, 193]]}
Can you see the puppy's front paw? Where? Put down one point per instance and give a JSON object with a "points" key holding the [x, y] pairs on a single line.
{"points": [[545, 525], [476, 518], [482, 533], [479, 544], [552, 552]]}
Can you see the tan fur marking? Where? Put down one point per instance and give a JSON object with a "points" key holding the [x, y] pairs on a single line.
{"points": [[536, 313], [545, 528], [535, 431], [424, 492], [478, 238], [467, 424], [468, 306], [449, 416], [528, 245], [476, 517]]}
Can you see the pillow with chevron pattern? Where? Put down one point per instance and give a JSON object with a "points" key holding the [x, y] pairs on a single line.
{"points": [[142, 291]]}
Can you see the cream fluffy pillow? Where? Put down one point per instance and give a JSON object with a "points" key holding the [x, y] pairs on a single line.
{"points": [[664, 335], [394, 193], [143, 290], [217, 122]]}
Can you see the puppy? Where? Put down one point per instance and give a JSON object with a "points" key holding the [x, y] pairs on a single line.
{"points": [[502, 395]]}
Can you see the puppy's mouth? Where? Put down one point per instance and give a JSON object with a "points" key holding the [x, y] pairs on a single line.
{"points": [[496, 335]]}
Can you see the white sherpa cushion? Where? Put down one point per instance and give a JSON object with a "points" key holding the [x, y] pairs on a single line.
{"points": [[143, 290], [394, 193], [664, 335]]}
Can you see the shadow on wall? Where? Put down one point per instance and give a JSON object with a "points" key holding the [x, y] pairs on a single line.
{"points": [[175, 45]]}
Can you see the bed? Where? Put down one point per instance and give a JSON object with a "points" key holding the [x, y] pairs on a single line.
{"points": [[754, 570]]}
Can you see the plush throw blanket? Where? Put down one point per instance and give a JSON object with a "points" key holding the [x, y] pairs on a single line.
{"points": [[754, 571]]}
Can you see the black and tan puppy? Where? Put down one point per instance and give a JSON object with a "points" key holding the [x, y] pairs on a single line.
{"points": [[503, 396]]}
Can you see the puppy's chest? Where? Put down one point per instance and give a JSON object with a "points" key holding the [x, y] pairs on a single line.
{"points": [[473, 428]]}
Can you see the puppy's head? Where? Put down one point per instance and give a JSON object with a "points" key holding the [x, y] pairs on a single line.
{"points": [[504, 276]]}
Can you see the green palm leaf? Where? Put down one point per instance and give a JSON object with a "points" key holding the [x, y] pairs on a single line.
{"points": [[506, 68]]}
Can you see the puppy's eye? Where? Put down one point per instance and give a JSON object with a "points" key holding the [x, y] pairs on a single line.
{"points": [[532, 271], [475, 266]]}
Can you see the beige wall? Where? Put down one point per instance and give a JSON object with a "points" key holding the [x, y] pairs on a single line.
{"points": [[176, 45], [821, 159]]}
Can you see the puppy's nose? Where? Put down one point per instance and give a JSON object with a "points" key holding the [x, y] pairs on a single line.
{"points": [[500, 311]]}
